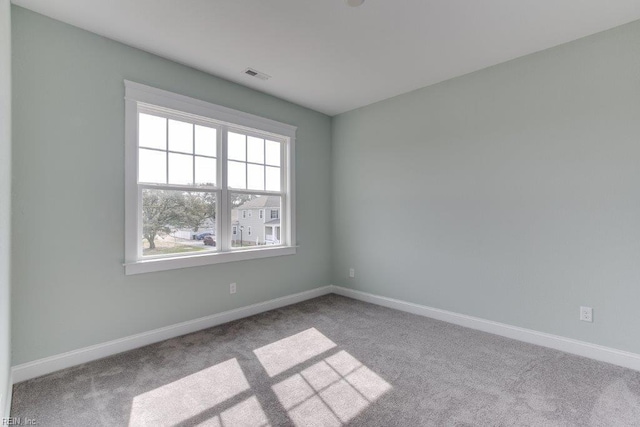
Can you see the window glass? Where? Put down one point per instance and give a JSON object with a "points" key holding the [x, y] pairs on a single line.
{"points": [[255, 150], [272, 153], [237, 146], [152, 131], [178, 222], [152, 166], [206, 141], [180, 136], [248, 234]]}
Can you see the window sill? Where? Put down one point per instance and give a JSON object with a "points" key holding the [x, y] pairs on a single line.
{"points": [[162, 264]]}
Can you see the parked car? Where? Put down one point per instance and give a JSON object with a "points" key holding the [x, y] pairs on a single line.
{"points": [[201, 236], [209, 240]]}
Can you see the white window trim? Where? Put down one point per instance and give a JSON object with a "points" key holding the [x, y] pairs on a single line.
{"points": [[136, 93]]}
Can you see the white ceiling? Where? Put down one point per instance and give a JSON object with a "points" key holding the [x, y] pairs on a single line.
{"points": [[332, 58]]}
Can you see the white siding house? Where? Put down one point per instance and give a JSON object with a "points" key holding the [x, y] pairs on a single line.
{"points": [[256, 222]]}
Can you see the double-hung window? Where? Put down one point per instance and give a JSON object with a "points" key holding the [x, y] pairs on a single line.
{"points": [[193, 171]]}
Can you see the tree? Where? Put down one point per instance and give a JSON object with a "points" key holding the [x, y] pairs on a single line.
{"points": [[161, 210], [238, 199], [199, 207], [164, 211]]}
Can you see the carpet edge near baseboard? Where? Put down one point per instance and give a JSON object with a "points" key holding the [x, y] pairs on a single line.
{"points": [[597, 352]]}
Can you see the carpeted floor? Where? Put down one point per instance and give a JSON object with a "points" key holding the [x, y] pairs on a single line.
{"points": [[335, 361]]}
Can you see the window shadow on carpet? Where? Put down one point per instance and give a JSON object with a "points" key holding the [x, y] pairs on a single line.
{"points": [[314, 381]]}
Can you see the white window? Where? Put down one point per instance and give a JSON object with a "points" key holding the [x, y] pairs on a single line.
{"points": [[191, 164], [274, 214], [250, 214], [261, 214]]}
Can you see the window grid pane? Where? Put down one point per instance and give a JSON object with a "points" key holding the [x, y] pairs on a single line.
{"points": [[255, 177], [273, 178], [152, 131], [237, 146], [180, 137], [180, 169], [255, 150], [237, 175], [205, 171], [273, 153], [152, 166], [206, 141]]}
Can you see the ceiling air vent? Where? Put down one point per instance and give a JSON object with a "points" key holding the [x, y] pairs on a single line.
{"points": [[257, 74]]}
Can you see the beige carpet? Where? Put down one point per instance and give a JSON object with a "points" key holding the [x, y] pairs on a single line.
{"points": [[334, 361]]}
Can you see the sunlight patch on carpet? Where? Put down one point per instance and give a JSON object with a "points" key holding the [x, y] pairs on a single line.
{"points": [[187, 397], [288, 352]]}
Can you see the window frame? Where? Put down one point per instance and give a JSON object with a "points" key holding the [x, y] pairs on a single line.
{"points": [[141, 97]]}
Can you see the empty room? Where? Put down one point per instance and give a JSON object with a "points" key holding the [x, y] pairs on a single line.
{"points": [[320, 213]]}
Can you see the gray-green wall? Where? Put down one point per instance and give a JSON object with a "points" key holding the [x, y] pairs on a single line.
{"points": [[5, 203], [69, 287], [510, 194]]}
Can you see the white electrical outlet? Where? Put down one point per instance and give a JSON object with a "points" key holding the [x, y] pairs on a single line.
{"points": [[586, 314], [352, 272], [232, 288]]}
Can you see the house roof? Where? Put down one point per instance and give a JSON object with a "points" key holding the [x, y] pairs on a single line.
{"points": [[261, 202], [272, 222]]}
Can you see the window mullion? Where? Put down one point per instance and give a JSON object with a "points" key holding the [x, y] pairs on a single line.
{"points": [[246, 159], [193, 153], [166, 141], [224, 224], [140, 227], [283, 216]]}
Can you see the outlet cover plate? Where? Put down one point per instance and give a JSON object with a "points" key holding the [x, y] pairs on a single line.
{"points": [[586, 314]]}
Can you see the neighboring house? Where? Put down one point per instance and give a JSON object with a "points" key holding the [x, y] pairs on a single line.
{"points": [[256, 222]]}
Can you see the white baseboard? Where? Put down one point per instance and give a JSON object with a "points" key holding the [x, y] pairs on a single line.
{"points": [[8, 395], [51, 364], [592, 351]]}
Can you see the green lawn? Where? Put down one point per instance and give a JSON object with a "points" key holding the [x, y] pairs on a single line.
{"points": [[171, 250]]}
